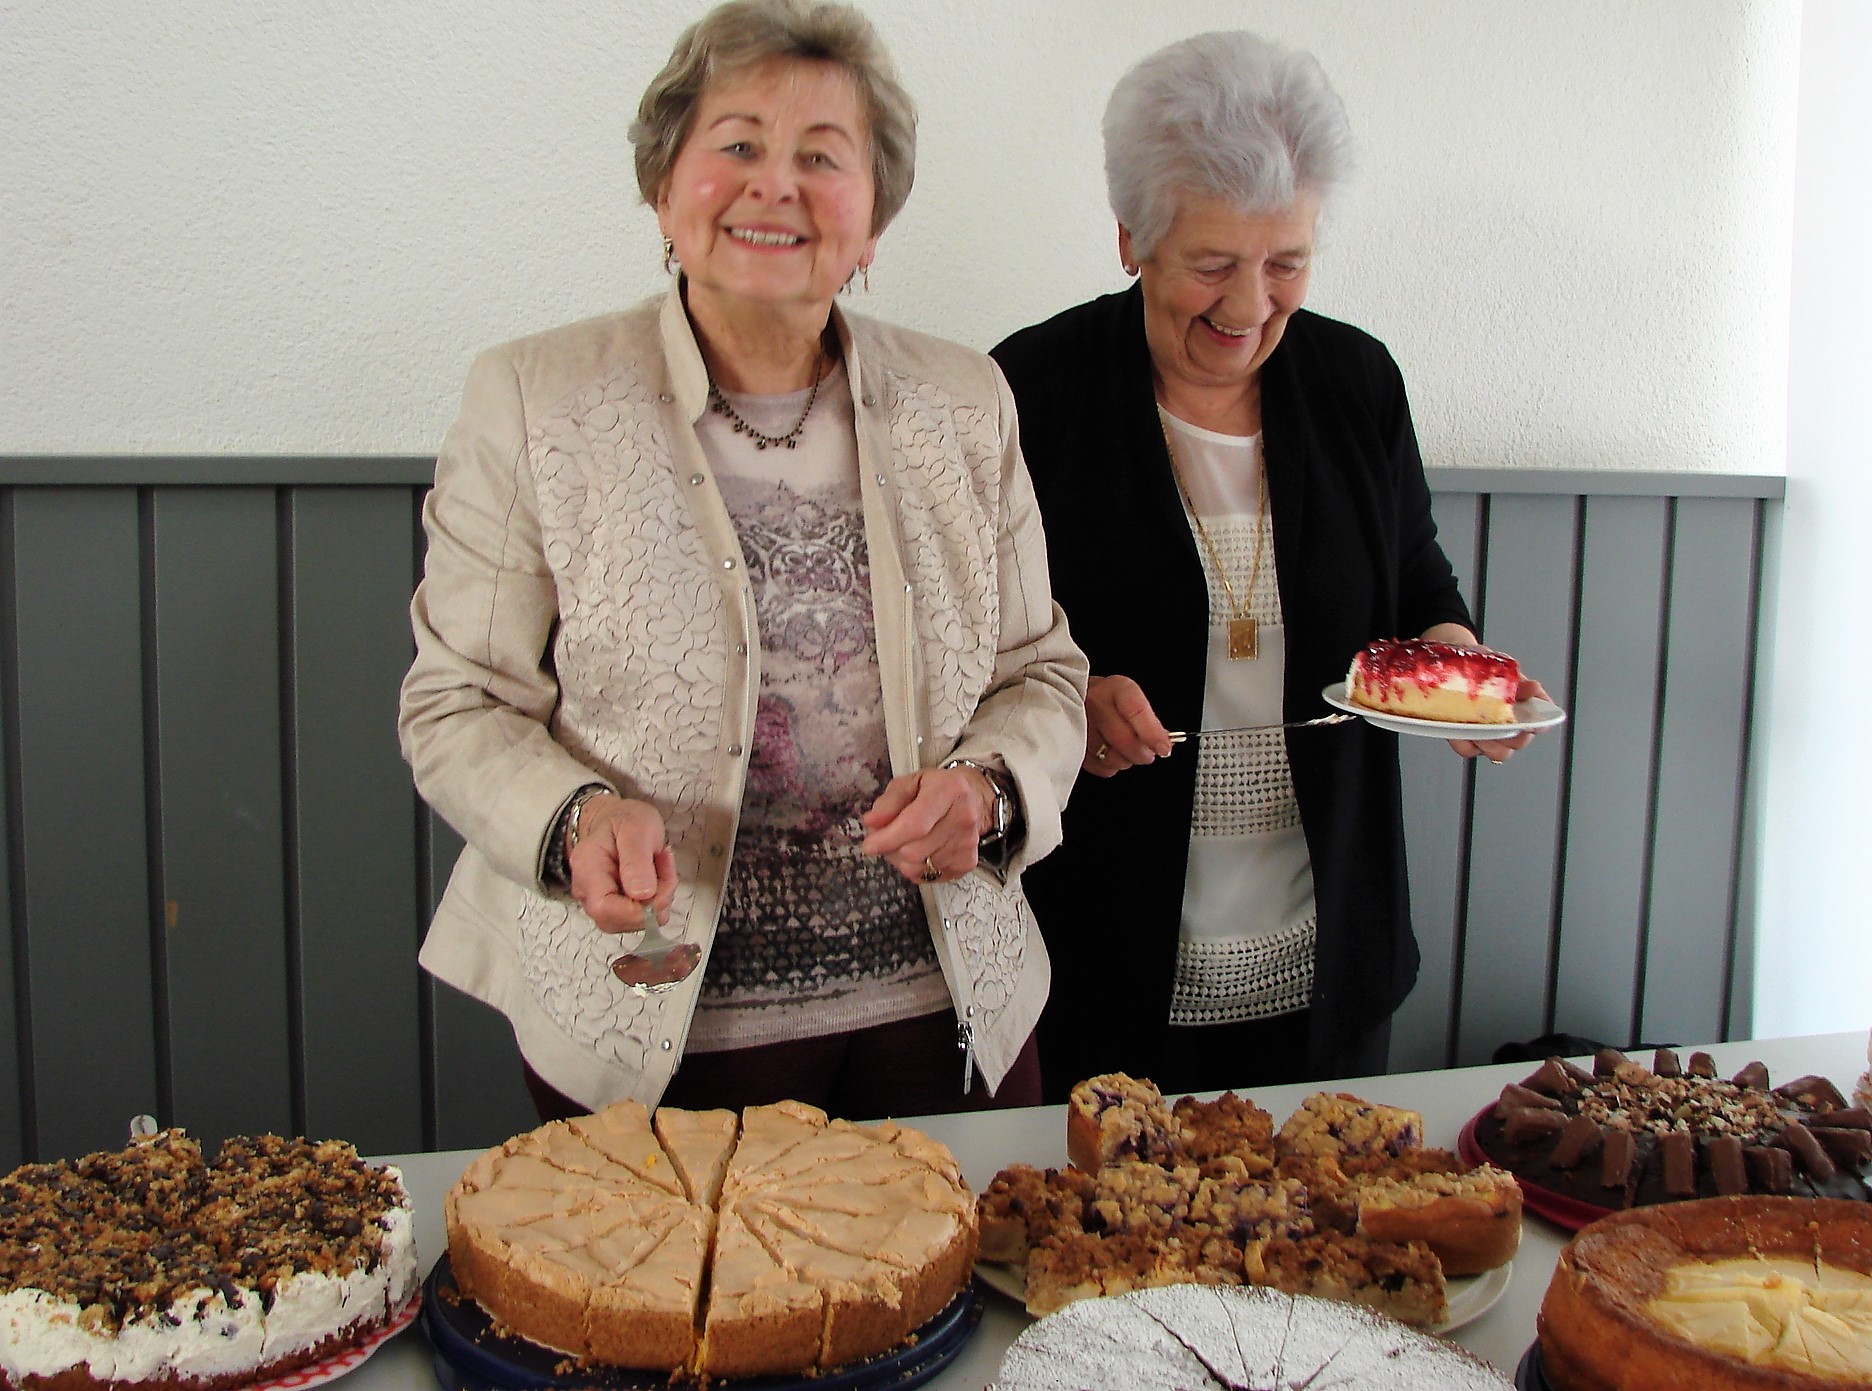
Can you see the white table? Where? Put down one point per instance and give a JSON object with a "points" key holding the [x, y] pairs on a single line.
{"points": [[986, 1143]]}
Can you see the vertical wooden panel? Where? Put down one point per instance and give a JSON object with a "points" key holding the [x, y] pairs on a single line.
{"points": [[480, 1098], [13, 1092], [220, 857], [1436, 832], [1516, 835], [356, 840], [1614, 725], [1739, 1021], [86, 882], [1700, 770]]}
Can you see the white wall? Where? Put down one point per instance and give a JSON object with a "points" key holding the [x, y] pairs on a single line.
{"points": [[1814, 959], [285, 227]]}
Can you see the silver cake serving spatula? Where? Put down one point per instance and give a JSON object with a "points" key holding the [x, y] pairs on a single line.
{"points": [[657, 962], [1177, 736]]}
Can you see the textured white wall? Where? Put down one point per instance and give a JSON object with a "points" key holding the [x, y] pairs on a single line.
{"points": [[1813, 964], [272, 227]]}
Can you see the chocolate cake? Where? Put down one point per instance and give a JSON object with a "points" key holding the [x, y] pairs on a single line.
{"points": [[152, 1266], [1623, 1135]]}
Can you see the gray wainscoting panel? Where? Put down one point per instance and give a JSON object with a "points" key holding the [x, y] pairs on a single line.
{"points": [[14, 1101], [1517, 832], [354, 832], [1613, 716], [1436, 829], [199, 663], [219, 871], [480, 1098], [84, 864], [1703, 739]]}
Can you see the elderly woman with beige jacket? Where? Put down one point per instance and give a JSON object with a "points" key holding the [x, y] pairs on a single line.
{"points": [[736, 630]]}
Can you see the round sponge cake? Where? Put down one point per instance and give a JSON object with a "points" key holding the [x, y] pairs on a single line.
{"points": [[775, 1241]]}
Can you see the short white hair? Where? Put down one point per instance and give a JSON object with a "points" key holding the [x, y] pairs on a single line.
{"points": [[1227, 115]]}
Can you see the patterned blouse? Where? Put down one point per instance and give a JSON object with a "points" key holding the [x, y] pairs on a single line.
{"points": [[806, 919]]}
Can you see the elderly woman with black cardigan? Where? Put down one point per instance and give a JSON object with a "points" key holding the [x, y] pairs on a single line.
{"points": [[1234, 504]]}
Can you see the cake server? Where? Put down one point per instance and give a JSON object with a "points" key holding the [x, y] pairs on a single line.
{"points": [[658, 961], [1177, 736]]}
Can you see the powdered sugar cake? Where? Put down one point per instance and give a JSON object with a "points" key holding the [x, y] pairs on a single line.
{"points": [[1185, 1337]]}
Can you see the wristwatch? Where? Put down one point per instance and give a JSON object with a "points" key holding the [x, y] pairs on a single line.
{"points": [[564, 835], [996, 848]]}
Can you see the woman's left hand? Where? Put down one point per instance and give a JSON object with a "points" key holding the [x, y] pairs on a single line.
{"points": [[1501, 750], [929, 823]]}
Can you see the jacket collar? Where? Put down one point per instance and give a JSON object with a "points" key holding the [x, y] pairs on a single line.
{"points": [[688, 374]]}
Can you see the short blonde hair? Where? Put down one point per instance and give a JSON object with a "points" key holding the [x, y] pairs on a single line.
{"points": [[742, 34]]}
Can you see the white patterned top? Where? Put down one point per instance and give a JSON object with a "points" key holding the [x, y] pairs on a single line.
{"points": [[1249, 921]]}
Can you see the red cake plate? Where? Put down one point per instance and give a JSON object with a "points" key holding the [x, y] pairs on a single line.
{"points": [[1557, 1208], [329, 1368]]}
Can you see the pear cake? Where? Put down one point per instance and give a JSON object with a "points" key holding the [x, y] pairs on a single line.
{"points": [[1746, 1293], [772, 1242]]}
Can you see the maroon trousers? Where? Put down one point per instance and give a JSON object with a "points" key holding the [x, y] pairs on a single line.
{"points": [[910, 1068]]}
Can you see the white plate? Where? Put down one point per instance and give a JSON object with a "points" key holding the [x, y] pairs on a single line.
{"points": [[1010, 1280], [1470, 1296], [1529, 716]]}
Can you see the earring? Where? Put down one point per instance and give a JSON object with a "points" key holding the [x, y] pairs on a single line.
{"points": [[864, 276], [669, 256], [1129, 269]]}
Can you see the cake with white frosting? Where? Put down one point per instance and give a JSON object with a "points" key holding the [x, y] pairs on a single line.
{"points": [[1187, 1337], [152, 1266]]}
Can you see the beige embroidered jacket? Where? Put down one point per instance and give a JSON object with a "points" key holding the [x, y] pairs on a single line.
{"points": [[585, 616]]}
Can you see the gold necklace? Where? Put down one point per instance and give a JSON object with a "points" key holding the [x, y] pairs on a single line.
{"points": [[1243, 640]]}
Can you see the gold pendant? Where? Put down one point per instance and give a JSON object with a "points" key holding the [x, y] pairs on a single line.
{"points": [[1242, 643]]}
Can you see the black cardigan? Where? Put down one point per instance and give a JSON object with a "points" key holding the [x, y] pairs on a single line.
{"points": [[1356, 558]]}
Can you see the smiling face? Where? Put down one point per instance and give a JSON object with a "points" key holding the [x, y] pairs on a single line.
{"points": [[769, 201], [1219, 288]]}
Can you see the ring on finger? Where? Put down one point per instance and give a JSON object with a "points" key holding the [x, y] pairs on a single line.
{"points": [[930, 873]]}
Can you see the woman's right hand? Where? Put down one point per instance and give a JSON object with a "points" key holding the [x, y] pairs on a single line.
{"points": [[621, 864], [1122, 730]]}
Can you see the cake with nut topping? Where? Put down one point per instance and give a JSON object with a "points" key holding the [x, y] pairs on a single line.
{"points": [[154, 1266]]}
